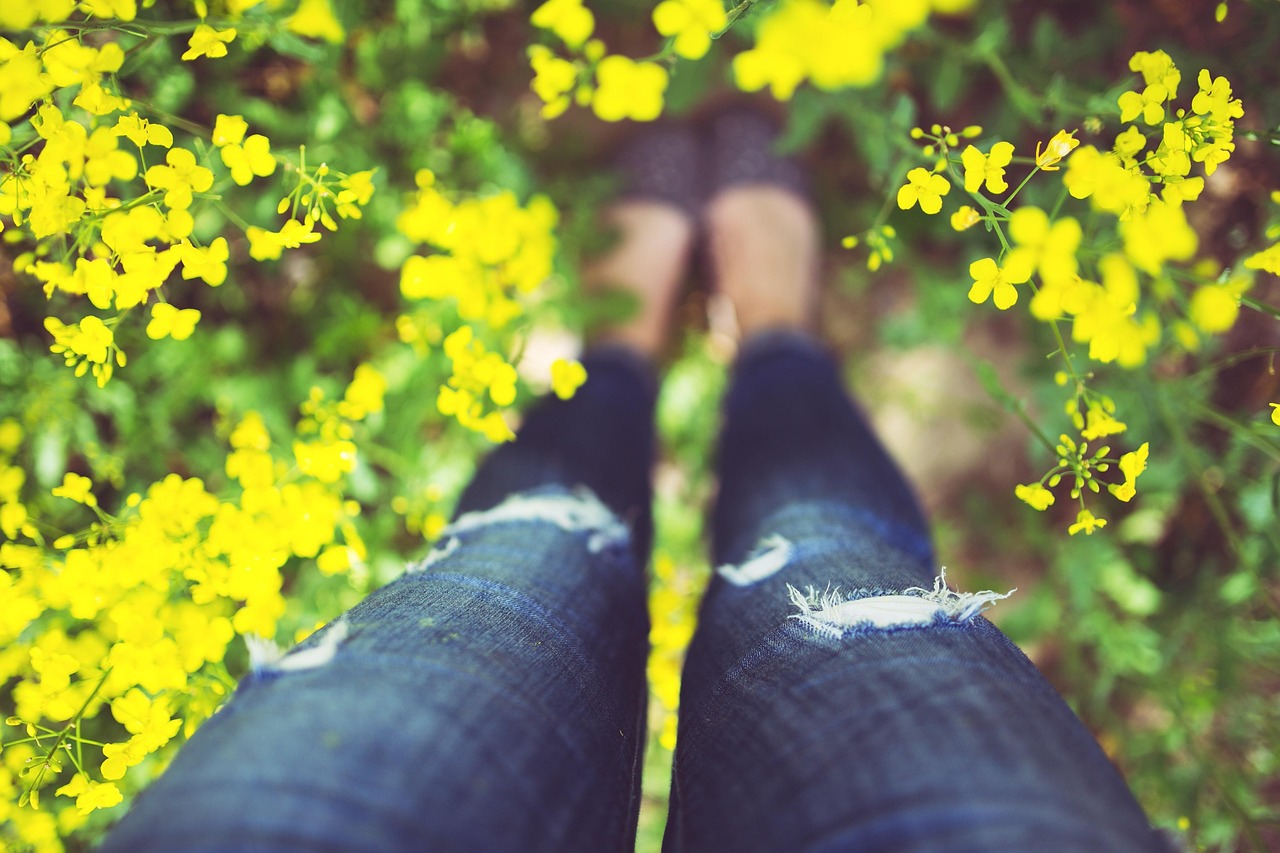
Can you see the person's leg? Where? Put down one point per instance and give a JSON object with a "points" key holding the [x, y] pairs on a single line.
{"points": [[493, 698], [833, 697]]}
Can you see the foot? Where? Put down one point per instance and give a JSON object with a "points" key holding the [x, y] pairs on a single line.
{"points": [[656, 216], [649, 262], [764, 245], [762, 231]]}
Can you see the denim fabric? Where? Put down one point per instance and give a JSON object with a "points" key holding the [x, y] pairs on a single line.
{"points": [[493, 698], [934, 737]]}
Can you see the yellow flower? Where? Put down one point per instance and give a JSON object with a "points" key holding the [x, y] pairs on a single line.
{"points": [[251, 158], [1149, 104], [566, 377], [142, 132], [168, 321], [1047, 247], [1056, 150], [229, 130], [1086, 522], [1035, 495], [691, 22], [91, 795], [1214, 307], [209, 264], [988, 168], [996, 281], [180, 178], [1100, 422], [1157, 69], [568, 19], [1214, 98], [1158, 235], [628, 89], [77, 488], [1131, 465], [553, 79], [1275, 413], [206, 41], [315, 19], [1103, 178], [364, 394], [924, 187]]}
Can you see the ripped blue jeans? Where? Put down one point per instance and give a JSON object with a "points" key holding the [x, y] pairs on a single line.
{"points": [[835, 697]]}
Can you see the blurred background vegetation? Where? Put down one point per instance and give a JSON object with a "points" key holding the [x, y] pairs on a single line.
{"points": [[1161, 631]]}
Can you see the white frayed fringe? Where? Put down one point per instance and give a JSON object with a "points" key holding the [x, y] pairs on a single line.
{"points": [[267, 657], [831, 614], [770, 556], [581, 510]]}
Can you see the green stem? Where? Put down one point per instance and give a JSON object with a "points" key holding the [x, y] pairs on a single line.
{"points": [[1188, 451], [1257, 305]]}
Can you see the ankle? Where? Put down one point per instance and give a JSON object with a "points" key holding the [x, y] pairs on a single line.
{"points": [[764, 244]]}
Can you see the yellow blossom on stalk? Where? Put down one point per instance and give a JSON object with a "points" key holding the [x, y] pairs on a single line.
{"points": [[1214, 307], [91, 795], [315, 19], [834, 45], [1056, 150], [85, 345], [1049, 248], [1268, 260], [1131, 465], [229, 130], [691, 22], [354, 192], [1106, 316], [1158, 235], [325, 460], [1100, 421], [568, 19], [22, 78], [168, 321], [1086, 523], [1149, 104], [1103, 178], [566, 377], [77, 488], [1275, 413], [982, 168], [364, 395], [628, 89], [251, 158], [1157, 69], [924, 187], [180, 178], [142, 132], [1035, 495], [554, 78], [206, 41], [965, 218], [268, 245], [1214, 98], [125, 10], [208, 264], [991, 280]]}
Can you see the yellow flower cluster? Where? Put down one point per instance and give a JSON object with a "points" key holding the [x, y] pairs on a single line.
{"points": [[131, 617], [615, 86], [489, 254], [833, 45], [69, 181], [673, 612], [1097, 291]]}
